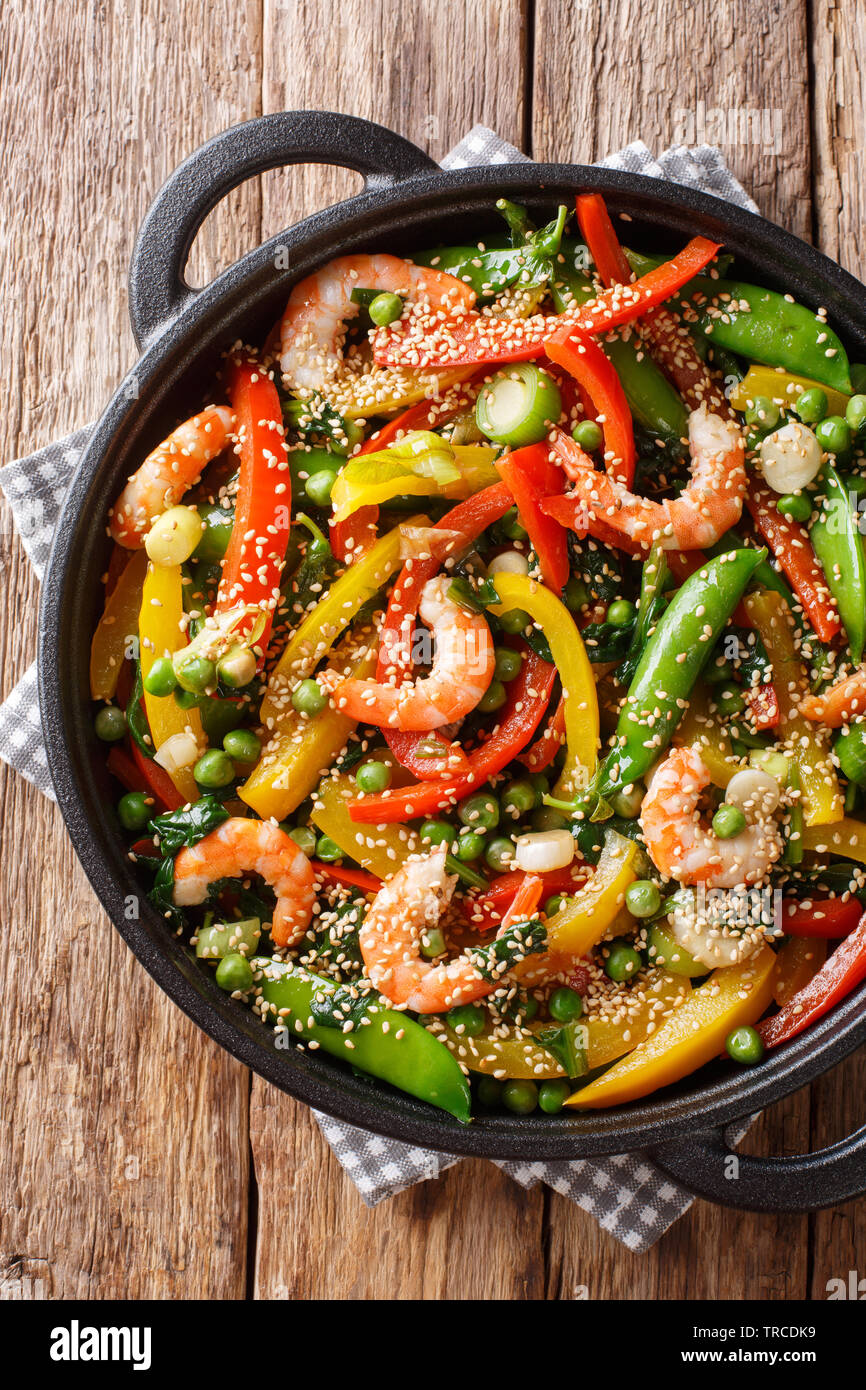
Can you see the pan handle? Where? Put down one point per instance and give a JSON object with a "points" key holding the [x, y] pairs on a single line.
{"points": [[157, 288], [705, 1164]]}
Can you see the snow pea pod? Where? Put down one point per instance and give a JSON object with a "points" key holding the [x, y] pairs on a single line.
{"points": [[497, 267], [835, 535], [651, 399], [382, 1042], [670, 665]]}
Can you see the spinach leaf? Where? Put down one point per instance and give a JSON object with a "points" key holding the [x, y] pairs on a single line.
{"points": [[515, 944], [567, 1046], [335, 1007], [136, 719], [178, 829]]}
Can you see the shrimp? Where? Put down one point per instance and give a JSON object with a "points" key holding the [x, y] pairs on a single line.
{"points": [[461, 672], [842, 702], [405, 907], [708, 507], [313, 331], [239, 847], [681, 847], [165, 475]]}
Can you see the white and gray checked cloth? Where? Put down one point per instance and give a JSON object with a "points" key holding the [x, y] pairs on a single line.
{"points": [[626, 1193]]}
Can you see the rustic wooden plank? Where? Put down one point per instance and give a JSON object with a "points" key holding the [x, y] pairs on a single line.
{"points": [[607, 74], [838, 50], [125, 1151], [732, 75], [317, 1239], [418, 69]]}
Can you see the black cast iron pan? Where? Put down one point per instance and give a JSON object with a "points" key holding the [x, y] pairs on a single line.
{"points": [[407, 202]]}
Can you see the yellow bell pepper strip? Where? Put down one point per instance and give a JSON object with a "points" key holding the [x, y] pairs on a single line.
{"points": [[845, 837], [324, 623], [575, 672], [821, 797], [302, 750], [586, 917], [421, 465], [381, 849], [690, 1037], [644, 1007], [161, 634], [501, 1050], [699, 729], [784, 388], [118, 623], [797, 963]]}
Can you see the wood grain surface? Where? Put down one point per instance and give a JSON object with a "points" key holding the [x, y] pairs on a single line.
{"points": [[138, 1159]]}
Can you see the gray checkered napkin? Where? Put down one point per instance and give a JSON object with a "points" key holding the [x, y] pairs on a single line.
{"points": [[625, 1193]]}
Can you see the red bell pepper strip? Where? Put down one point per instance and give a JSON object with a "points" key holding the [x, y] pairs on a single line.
{"points": [[121, 766], [336, 876], [470, 518], [470, 337], [842, 973], [157, 782], [763, 705], [824, 917], [517, 722], [254, 559], [530, 476], [542, 753], [581, 355], [349, 538], [790, 543], [486, 909], [598, 233]]}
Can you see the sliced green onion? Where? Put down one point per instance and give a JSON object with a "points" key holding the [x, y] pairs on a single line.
{"points": [[518, 406]]}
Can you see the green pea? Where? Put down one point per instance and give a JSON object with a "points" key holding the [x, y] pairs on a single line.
{"points": [[510, 526], [160, 679], [515, 621], [493, 698], [508, 664], [133, 811], [520, 1097], [479, 812], [304, 838], [518, 798], [234, 972], [642, 898], [187, 699], [728, 822], [588, 435], [621, 612], [541, 786], [857, 373], [309, 698], [318, 487], [717, 671], [575, 594], [110, 724], [812, 406], [373, 777], [197, 676], [499, 854], [763, 414], [468, 846], [622, 963], [552, 1095], [328, 850], [850, 749], [855, 412], [432, 943], [834, 434], [489, 1092], [745, 1046], [554, 904], [385, 309], [564, 1005], [242, 745], [437, 832], [468, 1019], [797, 506], [729, 702], [529, 1007], [627, 803], [214, 769], [548, 818]]}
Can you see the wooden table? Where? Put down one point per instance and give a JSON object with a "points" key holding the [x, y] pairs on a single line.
{"points": [[138, 1159]]}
